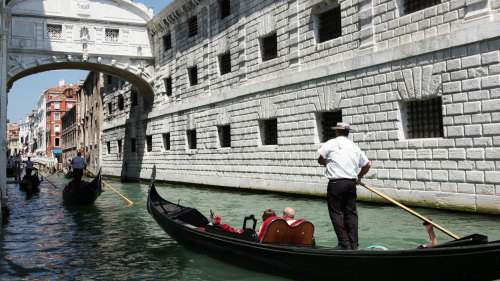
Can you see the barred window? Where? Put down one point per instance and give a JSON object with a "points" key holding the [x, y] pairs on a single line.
{"points": [[119, 142], [411, 6], [111, 35], [269, 47], [168, 86], [424, 118], [149, 143], [54, 31], [133, 96], [224, 135], [225, 8], [166, 141], [269, 131], [110, 108], [193, 26], [225, 63], [132, 145], [108, 146], [191, 138], [325, 121], [329, 24], [167, 42], [193, 75]]}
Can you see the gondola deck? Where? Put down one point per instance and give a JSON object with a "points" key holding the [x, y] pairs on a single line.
{"points": [[469, 258], [84, 194]]}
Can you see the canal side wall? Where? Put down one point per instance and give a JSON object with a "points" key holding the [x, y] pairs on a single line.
{"points": [[383, 61]]}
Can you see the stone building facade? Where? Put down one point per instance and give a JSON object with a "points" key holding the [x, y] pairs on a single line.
{"points": [[245, 93], [69, 136]]}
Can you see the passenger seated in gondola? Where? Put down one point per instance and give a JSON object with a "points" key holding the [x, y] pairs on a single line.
{"points": [[217, 222], [432, 237], [265, 216], [289, 215], [279, 230]]}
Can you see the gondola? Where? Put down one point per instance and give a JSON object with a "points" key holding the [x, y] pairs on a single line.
{"points": [[468, 258], [68, 174], [30, 184], [84, 192]]}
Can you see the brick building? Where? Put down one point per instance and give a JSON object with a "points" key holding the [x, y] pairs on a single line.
{"points": [[246, 92], [59, 100]]}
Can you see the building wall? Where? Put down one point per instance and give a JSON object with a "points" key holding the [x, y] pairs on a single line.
{"points": [[69, 135], [383, 60]]}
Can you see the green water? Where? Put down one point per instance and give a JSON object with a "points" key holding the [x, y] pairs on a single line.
{"points": [[112, 240]]}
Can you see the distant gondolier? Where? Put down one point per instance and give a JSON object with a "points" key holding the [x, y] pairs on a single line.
{"points": [[79, 164], [342, 159], [29, 166]]}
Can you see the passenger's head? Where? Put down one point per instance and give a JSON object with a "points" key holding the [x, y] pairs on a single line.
{"points": [[267, 214], [79, 153], [289, 214], [29, 158]]}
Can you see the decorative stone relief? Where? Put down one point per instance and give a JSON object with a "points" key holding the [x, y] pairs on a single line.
{"points": [[223, 118], [419, 83], [267, 24], [267, 109], [190, 122]]}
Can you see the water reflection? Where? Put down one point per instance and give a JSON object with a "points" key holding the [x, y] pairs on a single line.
{"points": [[44, 239]]}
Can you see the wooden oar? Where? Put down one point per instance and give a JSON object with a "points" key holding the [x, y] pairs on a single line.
{"points": [[48, 180], [409, 210], [126, 199]]}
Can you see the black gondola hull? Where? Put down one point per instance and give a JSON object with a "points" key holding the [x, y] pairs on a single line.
{"points": [[85, 194], [476, 262]]}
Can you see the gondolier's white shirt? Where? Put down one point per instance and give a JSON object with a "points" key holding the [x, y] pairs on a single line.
{"points": [[78, 162], [343, 158]]}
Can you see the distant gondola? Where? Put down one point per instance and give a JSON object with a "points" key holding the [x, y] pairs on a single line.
{"points": [[30, 184], [68, 174], [83, 193], [468, 258]]}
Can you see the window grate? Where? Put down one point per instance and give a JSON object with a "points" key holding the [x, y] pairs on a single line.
{"points": [[191, 138], [134, 97], [108, 146], [54, 31], [193, 75], [120, 103], [225, 8], [424, 118], [167, 42], [330, 25], [166, 141], [119, 142], [269, 47], [149, 143], [225, 63], [411, 6], [327, 121], [270, 132], [193, 26], [225, 135], [168, 86], [111, 35]]}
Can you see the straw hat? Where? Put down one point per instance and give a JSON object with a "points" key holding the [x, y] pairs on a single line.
{"points": [[342, 126]]}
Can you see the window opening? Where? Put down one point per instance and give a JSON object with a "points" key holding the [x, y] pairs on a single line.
{"points": [[168, 86], [269, 132], [132, 145], [149, 143], [191, 138], [111, 35], [225, 8], [54, 31], [330, 25], [411, 6], [269, 47], [167, 42], [225, 63], [225, 135], [193, 26], [327, 120], [424, 118], [166, 141], [193, 75]]}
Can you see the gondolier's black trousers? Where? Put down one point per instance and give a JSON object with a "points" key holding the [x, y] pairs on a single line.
{"points": [[341, 197], [77, 175], [28, 171]]}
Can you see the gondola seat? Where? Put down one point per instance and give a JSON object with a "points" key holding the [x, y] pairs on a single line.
{"points": [[277, 230]]}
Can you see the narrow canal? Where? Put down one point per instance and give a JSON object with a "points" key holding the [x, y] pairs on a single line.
{"points": [[112, 240]]}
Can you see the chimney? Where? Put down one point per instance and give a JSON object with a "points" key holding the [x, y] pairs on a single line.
{"points": [[61, 82]]}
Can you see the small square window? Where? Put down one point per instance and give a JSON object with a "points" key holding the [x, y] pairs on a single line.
{"points": [[54, 31], [225, 8], [193, 75], [167, 42], [111, 35], [269, 131], [411, 6], [224, 135], [57, 116], [56, 105], [325, 121], [108, 146], [225, 63], [193, 26], [168, 86], [166, 141], [424, 118], [330, 25], [132, 145], [56, 142], [269, 47], [149, 143], [191, 139]]}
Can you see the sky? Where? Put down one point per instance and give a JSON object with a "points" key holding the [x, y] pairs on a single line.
{"points": [[24, 94]]}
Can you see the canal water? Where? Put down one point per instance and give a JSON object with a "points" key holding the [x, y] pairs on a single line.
{"points": [[112, 240]]}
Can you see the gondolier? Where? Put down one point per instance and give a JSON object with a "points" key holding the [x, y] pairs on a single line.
{"points": [[79, 164], [342, 159], [29, 166]]}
